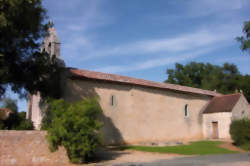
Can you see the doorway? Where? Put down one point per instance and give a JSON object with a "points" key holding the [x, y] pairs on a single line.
{"points": [[215, 132]]}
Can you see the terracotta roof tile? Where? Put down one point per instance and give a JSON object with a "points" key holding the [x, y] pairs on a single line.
{"points": [[223, 103], [76, 73]]}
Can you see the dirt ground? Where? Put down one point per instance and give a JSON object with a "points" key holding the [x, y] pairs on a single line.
{"points": [[229, 145], [118, 157]]}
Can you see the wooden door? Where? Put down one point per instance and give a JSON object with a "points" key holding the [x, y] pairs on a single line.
{"points": [[215, 133]]}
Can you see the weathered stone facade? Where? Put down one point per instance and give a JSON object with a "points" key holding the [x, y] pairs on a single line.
{"points": [[141, 114]]}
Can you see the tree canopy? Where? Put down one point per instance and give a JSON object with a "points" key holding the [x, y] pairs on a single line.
{"points": [[15, 120], [22, 66], [245, 40], [224, 79]]}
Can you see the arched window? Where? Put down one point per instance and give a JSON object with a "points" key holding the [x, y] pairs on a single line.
{"points": [[112, 100], [49, 48], [186, 110]]}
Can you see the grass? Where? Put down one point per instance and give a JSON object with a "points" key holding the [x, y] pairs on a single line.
{"points": [[194, 148]]}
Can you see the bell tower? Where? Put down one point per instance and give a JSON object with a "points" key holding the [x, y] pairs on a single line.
{"points": [[51, 45], [51, 42]]}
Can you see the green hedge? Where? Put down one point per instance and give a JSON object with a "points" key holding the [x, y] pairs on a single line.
{"points": [[240, 133], [74, 126]]}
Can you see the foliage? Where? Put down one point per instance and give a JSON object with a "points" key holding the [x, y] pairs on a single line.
{"points": [[240, 132], [16, 120], [224, 79], [10, 104], [245, 40], [22, 66], [194, 148], [75, 126], [2, 115]]}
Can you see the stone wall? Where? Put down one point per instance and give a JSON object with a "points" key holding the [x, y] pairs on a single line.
{"points": [[241, 109], [29, 148], [140, 114], [224, 121]]}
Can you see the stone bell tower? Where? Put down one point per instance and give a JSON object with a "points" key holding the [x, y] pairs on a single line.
{"points": [[51, 45]]}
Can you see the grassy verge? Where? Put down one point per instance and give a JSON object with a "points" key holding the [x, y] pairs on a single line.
{"points": [[194, 148]]}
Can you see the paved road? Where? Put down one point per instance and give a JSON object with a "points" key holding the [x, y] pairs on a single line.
{"points": [[242, 159]]}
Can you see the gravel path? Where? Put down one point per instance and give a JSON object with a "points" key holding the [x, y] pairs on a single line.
{"points": [[241, 159]]}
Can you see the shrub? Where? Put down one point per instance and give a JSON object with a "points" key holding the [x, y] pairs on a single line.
{"points": [[74, 126], [240, 132], [16, 121]]}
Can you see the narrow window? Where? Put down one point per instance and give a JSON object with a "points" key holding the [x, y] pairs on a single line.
{"points": [[49, 48], [186, 110], [112, 102], [243, 112]]}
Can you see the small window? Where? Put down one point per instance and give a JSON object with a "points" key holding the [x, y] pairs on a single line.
{"points": [[112, 100], [186, 110], [243, 112]]}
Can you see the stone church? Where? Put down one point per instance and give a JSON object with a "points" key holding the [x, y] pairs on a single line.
{"points": [[140, 111]]}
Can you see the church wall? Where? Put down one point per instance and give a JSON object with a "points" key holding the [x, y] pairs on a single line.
{"points": [[140, 114]]}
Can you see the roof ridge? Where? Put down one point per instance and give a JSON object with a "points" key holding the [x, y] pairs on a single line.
{"points": [[232, 94], [138, 81]]}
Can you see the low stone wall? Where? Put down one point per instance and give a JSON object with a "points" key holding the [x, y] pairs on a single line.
{"points": [[29, 148]]}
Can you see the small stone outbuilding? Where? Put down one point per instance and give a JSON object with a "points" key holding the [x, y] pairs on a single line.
{"points": [[220, 112]]}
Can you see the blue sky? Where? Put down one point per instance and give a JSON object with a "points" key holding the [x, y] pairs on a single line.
{"points": [[143, 38]]}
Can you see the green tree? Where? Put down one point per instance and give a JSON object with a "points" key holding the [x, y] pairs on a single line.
{"points": [[22, 66], [10, 104], [240, 133], [74, 126], [245, 40], [16, 120], [224, 79]]}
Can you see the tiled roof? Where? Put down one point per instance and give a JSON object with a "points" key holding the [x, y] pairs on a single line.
{"points": [[76, 73], [223, 103]]}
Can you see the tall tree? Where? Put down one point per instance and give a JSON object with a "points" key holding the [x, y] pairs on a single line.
{"points": [[10, 104], [245, 40], [224, 79], [22, 66]]}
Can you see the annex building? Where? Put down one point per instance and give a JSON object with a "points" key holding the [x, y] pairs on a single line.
{"points": [[141, 111]]}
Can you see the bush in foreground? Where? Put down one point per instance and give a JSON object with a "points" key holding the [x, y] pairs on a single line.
{"points": [[74, 126], [240, 133]]}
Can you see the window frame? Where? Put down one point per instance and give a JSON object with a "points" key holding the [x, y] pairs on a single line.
{"points": [[112, 100], [186, 112]]}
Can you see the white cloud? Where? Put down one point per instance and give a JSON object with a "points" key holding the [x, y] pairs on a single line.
{"points": [[75, 33], [208, 7], [202, 38], [152, 63]]}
